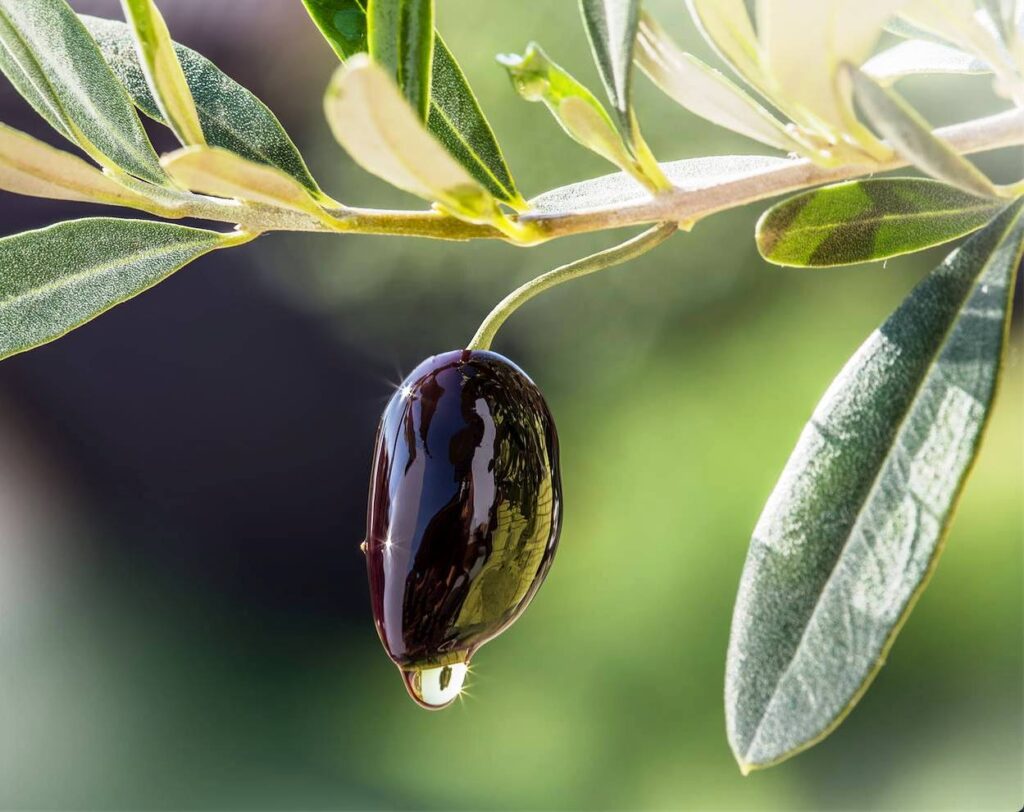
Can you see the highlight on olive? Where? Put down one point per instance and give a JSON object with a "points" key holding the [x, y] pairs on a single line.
{"points": [[463, 517]]}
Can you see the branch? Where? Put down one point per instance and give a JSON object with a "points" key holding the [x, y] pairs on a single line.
{"points": [[675, 205]]}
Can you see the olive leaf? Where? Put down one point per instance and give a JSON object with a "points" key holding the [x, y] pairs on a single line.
{"points": [[803, 44], [216, 171], [372, 121], [726, 27], [400, 38], [32, 167], [611, 28], [57, 278], [855, 524], [51, 60], [455, 117], [621, 189], [537, 78], [705, 91], [918, 56], [230, 116], [163, 71], [912, 137], [868, 220]]}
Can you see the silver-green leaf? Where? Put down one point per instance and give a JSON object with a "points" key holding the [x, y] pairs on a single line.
{"points": [[853, 529], [611, 27], [230, 115], [867, 221], [51, 60], [58, 278], [912, 136], [455, 117]]}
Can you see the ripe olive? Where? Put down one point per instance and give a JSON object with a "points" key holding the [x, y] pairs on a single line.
{"points": [[463, 516]]}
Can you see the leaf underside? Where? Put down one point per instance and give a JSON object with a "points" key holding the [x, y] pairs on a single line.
{"points": [[854, 526], [619, 188], [867, 221]]}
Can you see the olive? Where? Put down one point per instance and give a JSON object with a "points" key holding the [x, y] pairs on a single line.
{"points": [[463, 516]]}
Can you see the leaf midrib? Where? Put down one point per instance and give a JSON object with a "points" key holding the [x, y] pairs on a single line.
{"points": [[883, 218], [869, 495], [73, 131], [10, 302]]}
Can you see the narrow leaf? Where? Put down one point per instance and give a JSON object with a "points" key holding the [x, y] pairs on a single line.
{"points": [[163, 71], [230, 116], [373, 122], [215, 171], [804, 43], [918, 56], [400, 36], [32, 167], [705, 91], [56, 279], [343, 24], [854, 527], [584, 119], [455, 118], [691, 174], [52, 61], [611, 28], [912, 137], [868, 220], [726, 27]]}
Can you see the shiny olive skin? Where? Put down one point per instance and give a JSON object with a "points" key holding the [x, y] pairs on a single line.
{"points": [[464, 511]]}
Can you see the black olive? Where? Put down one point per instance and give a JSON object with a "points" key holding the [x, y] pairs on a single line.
{"points": [[463, 516]]}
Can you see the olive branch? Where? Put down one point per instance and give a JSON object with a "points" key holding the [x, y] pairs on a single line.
{"points": [[891, 443]]}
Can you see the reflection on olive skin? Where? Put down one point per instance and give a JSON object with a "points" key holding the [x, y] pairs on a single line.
{"points": [[463, 516]]}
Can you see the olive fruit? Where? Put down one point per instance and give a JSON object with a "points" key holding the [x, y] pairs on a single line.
{"points": [[463, 515]]}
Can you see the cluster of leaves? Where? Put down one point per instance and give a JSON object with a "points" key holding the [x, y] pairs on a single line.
{"points": [[855, 525]]}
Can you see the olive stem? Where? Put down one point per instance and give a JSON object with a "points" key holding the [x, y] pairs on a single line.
{"points": [[640, 244]]}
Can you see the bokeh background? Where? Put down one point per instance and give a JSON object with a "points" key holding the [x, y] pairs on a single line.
{"points": [[184, 620]]}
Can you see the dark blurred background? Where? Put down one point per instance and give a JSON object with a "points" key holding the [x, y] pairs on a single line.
{"points": [[184, 620]]}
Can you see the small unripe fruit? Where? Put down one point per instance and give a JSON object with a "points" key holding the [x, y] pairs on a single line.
{"points": [[463, 516]]}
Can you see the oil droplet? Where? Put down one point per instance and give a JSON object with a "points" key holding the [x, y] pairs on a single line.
{"points": [[435, 687]]}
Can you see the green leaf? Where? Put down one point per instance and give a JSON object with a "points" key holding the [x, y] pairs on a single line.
{"points": [[343, 24], [455, 118], [400, 36], [917, 56], [231, 117], [611, 28], [912, 137], [705, 91], [56, 279], [853, 529], [537, 78], [52, 61], [868, 220], [163, 70], [32, 167]]}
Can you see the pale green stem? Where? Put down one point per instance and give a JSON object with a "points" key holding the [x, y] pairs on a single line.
{"points": [[623, 252]]}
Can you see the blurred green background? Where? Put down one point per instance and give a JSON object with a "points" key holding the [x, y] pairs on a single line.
{"points": [[183, 612]]}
